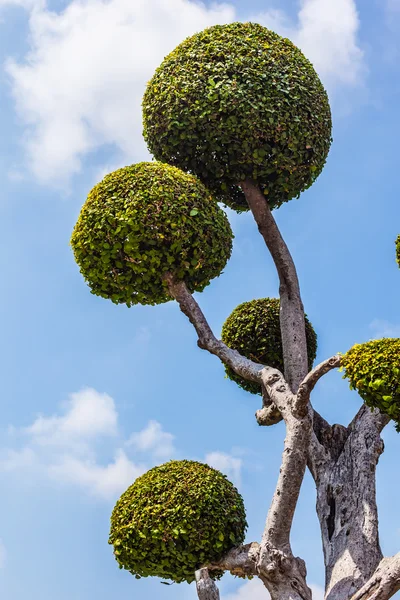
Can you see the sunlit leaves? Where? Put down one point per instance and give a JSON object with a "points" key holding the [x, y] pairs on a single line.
{"points": [[253, 329], [176, 518], [143, 221], [373, 369], [238, 101]]}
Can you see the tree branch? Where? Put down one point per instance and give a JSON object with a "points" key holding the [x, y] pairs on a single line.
{"points": [[244, 367], [240, 561], [206, 588], [269, 413], [384, 583], [292, 311], [369, 418], [312, 378]]}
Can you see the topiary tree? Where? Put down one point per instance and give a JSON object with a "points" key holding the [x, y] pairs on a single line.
{"points": [[242, 112], [176, 518], [253, 329]]}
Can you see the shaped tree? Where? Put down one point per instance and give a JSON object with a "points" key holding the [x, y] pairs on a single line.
{"points": [[237, 114]]}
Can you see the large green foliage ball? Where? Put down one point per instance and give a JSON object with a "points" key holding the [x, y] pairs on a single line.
{"points": [[176, 518], [398, 250], [253, 329], [238, 101], [373, 369], [143, 221]]}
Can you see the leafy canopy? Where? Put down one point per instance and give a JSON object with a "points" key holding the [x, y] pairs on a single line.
{"points": [[176, 518], [253, 329], [373, 369], [398, 250], [238, 101], [143, 221]]}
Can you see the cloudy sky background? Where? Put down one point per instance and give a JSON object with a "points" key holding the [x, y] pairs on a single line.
{"points": [[94, 394]]}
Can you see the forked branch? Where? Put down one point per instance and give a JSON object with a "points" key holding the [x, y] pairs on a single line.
{"points": [[384, 583]]}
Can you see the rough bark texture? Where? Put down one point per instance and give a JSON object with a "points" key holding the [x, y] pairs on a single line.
{"points": [[343, 462], [384, 583], [206, 588]]}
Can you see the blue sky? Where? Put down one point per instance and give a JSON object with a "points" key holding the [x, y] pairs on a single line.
{"points": [[94, 394]]}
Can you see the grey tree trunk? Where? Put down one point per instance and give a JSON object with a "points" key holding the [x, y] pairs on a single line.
{"points": [[341, 459], [344, 475]]}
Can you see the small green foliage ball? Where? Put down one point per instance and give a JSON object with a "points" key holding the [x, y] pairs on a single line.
{"points": [[176, 518], [373, 369], [398, 250], [144, 221], [238, 101], [253, 329]]}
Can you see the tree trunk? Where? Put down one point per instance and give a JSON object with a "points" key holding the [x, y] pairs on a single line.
{"points": [[346, 503], [206, 588]]}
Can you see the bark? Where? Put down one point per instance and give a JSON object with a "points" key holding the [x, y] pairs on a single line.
{"points": [[343, 462], [241, 561], [292, 311], [384, 583], [206, 588], [207, 341]]}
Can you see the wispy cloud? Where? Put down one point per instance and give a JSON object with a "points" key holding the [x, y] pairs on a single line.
{"points": [[153, 439], [381, 328], [228, 464], [97, 101], [327, 32], [65, 448]]}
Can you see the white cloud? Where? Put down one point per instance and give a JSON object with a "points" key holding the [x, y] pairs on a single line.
{"points": [[382, 328], [105, 481], [326, 32], [3, 555], [230, 465], [106, 52], [80, 86], [88, 415], [153, 439], [64, 448], [14, 460], [251, 590], [255, 590]]}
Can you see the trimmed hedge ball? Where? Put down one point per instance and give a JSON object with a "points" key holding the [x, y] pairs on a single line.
{"points": [[176, 518], [238, 101], [398, 250], [253, 329], [373, 369], [143, 221]]}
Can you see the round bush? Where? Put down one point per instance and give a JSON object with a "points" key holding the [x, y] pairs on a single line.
{"points": [[176, 518], [253, 329], [238, 101], [373, 369], [143, 221], [398, 250]]}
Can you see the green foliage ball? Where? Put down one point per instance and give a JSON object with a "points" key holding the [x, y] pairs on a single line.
{"points": [[373, 369], [176, 518], [143, 221], [253, 329], [238, 101], [398, 250]]}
